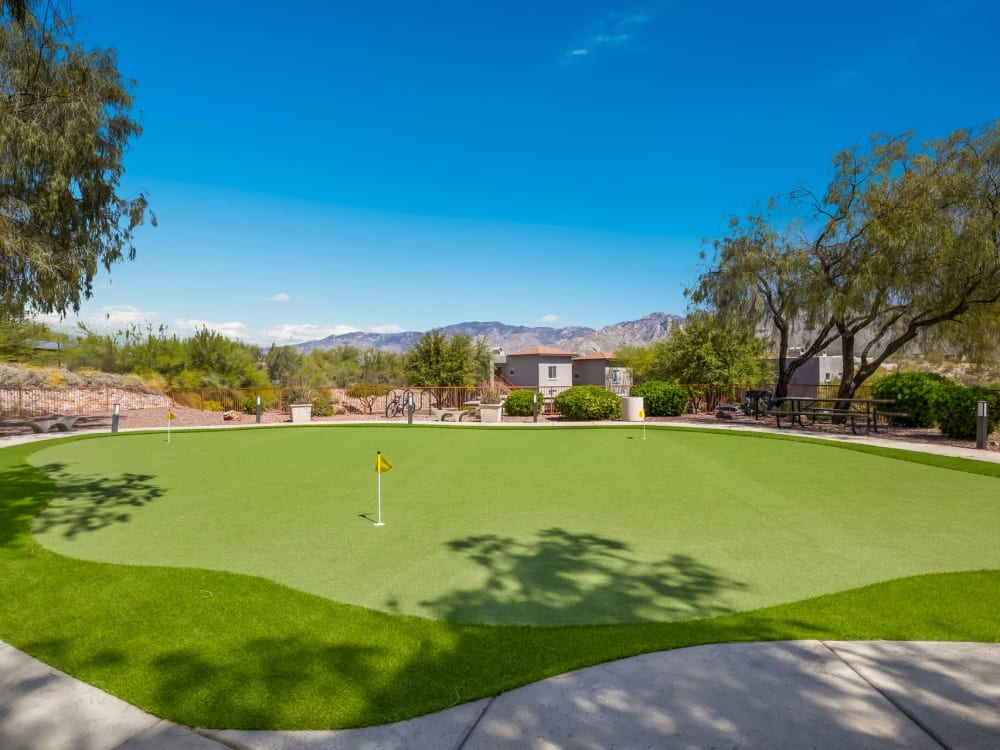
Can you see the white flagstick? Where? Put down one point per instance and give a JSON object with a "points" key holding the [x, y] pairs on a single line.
{"points": [[379, 521]]}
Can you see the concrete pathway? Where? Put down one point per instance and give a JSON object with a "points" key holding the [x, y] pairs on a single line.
{"points": [[785, 694]]}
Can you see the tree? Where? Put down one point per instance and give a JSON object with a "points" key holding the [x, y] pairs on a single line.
{"points": [[65, 123], [904, 243], [283, 365], [438, 360]]}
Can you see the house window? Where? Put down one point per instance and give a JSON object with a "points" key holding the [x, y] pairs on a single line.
{"points": [[616, 376], [552, 372]]}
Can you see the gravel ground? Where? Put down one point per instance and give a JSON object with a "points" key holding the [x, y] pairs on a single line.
{"points": [[156, 418]]}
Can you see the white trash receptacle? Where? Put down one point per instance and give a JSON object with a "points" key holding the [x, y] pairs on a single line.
{"points": [[631, 407]]}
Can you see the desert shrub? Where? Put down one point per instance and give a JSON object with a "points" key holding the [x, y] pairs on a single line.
{"points": [[368, 394], [661, 399], [914, 393], [955, 410], [213, 406], [322, 406], [519, 403], [297, 394], [584, 402], [269, 398]]}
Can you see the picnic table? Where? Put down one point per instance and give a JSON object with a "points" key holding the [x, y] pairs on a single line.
{"points": [[860, 412]]}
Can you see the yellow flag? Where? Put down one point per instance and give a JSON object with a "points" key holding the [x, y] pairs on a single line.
{"points": [[642, 413], [381, 465], [170, 416]]}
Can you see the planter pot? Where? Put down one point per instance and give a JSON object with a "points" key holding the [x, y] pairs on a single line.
{"points": [[301, 412], [490, 413]]}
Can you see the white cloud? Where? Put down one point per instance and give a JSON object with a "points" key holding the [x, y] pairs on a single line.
{"points": [[290, 333], [233, 329], [279, 297], [385, 329], [116, 317], [550, 318], [614, 30]]}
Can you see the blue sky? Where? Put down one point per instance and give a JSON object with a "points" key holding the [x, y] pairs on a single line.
{"points": [[320, 168]]}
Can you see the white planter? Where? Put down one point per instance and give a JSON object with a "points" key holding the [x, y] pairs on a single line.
{"points": [[301, 412], [490, 413], [631, 406]]}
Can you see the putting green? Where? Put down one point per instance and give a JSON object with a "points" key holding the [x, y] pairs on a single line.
{"points": [[519, 526]]}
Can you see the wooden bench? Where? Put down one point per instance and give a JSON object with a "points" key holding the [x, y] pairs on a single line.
{"points": [[60, 423], [442, 414]]}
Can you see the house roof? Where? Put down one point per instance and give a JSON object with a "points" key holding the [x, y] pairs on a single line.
{"points": [[544, 351], [597, 355]]}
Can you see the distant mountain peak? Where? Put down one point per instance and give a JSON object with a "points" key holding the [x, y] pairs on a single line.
{"points": [[578, 339]]}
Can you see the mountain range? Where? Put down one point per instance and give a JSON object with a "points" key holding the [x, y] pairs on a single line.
{"points": [[577, 339]]}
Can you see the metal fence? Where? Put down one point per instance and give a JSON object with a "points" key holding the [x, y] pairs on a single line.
{"points": [[28, 402], [360, 400]]}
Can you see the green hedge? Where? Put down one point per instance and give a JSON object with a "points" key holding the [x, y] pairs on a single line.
{"points": [[585, 402], [519, 403], [914, 393], [955, 410], [661, 399]]}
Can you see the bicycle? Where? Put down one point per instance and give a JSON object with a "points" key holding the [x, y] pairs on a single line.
{"points": [[396, 403]]}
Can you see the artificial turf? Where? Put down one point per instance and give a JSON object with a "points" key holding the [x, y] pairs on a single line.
{"points": [[519, 526], [219, 649]]}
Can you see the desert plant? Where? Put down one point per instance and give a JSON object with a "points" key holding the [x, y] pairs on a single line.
{"points": [[661, 399], [322, 407], [955, 410], [586, 402], [213, 406], [297, 394], [491, 395], [519, 403], [914, 393], [367, 394]]}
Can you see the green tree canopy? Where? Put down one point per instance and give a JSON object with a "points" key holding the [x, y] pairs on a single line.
{"points": [[904, 243], [65, 123], [439, 360]]}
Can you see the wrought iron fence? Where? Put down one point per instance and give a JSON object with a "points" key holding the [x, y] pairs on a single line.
{"points": [[360, 400], [35, 401]]}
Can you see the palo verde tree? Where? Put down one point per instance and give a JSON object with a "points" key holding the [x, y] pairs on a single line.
{"points": [[904, 243], [65, 123], [441, 360]]}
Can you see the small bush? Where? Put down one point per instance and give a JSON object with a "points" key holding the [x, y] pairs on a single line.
{"points": [[322, 407], [914, 393], [660, 399], [519, 403], [213, 406], [955, 410], [584, 402]]}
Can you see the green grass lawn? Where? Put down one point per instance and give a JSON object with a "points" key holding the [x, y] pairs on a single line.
{"points": [[288, 608]]}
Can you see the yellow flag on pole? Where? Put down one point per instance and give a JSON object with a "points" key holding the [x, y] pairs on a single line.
{"points": [[170, 416], [381, 465], [642, 413]]}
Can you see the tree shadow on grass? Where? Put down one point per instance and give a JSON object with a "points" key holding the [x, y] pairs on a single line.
{"points": [[565, 578], [88, 503], [23, 491]]}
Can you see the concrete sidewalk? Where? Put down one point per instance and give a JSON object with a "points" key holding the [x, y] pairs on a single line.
{"points": [[791, 694]]}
